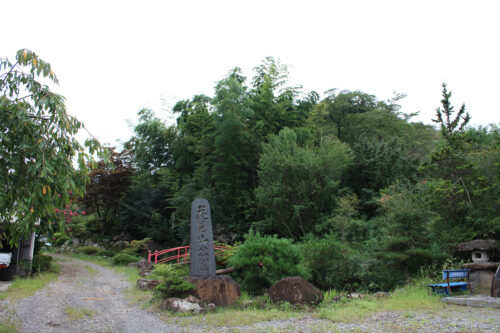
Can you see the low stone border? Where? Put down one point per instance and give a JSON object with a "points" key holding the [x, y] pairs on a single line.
{"points": [[481, 301]]}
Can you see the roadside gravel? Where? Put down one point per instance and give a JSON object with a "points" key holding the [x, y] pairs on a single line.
{"points": [[101, 293]]}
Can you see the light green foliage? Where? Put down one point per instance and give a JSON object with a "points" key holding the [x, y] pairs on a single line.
{"points": [[79, 313], [137, 247], [412, 297], [298, 184], [172, 283], [38, 146], [10, 326], [123, 259], [263, 260]]}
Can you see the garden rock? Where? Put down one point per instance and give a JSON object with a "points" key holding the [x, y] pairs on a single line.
{"points": [[145, 284], [220, 290], [189, 304], [295, 290], [119, 245], [145, 267]]}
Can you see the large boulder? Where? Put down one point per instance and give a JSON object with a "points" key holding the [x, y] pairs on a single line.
{"points": [[295, 290], [189, 304], [495, 284], [220, 290]]}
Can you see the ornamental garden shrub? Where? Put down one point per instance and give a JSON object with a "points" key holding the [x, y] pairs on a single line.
{"points": [[90, 250], [172, 283], [123, 259], [106, 253], [263, 260], [61, 240]]}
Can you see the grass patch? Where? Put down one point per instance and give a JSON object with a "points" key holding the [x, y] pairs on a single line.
{"points": [[10, 326], [407, 299], [79, 313], [237, 317], [25, 287]]}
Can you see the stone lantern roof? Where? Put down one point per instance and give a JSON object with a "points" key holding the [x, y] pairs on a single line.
{"points": [[477, 245]]}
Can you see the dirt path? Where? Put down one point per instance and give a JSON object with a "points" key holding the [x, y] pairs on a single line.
{"points": [[86, 298]]}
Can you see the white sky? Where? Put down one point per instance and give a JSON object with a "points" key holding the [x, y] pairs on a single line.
{"points": [[114, 57]]}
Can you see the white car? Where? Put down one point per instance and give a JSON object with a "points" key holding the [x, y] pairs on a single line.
{"points": [[5, 259]]}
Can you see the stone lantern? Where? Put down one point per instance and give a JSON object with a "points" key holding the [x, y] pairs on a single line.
{"points": [[482, 269]]}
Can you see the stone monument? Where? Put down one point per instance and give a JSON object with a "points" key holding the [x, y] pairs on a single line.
{"points": [[219, 290], [202, 256]]}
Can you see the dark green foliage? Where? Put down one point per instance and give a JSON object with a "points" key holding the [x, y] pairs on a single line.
{"points": [[41, 263], [91, 250], [263, 260], [124, 259], [172, 282], [449, 126], [106, 253], [406, 228], [330, 263], [377, 164]]}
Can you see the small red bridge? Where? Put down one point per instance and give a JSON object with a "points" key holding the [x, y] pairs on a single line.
{"points": [[179, 254]]}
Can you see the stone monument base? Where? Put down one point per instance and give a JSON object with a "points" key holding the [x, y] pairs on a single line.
{"points": [[220, 290]]}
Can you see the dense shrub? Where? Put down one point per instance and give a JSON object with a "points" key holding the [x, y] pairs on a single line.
{"points": [[263, 260], [106, 253], [41, 263], [172, 282], [137, 247], [91, 250], [61, 240], [330, 263], [124, 259]]}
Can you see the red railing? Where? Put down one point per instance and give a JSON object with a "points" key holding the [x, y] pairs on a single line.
{"points": [[179, 254]]}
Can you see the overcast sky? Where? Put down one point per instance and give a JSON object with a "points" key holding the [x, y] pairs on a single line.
{"points": [[113, 58]]}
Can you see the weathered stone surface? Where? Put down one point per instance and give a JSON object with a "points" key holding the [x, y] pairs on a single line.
{"points": [[492, 266], [189, 304], [202, 258], [478, 244], [220, 290], [495, 284], [145, 284], [295, 290], [481, 301], [119, 245], [480, 281], [145, 267]]}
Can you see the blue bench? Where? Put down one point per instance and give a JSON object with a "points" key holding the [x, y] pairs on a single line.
{"points": [[446, 288]]}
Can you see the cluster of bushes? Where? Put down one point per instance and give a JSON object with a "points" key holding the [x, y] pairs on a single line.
{"points": [[133, 252], [172, 283]]}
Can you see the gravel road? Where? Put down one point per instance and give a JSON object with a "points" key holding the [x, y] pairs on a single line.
{"points": [[84, 286]]}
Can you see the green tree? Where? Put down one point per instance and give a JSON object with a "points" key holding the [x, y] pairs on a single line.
{"points": [[444, 116], [405, 228], [298, 184], [38, 146]]}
